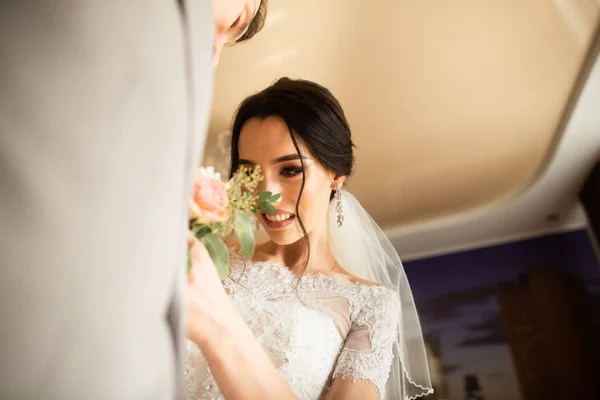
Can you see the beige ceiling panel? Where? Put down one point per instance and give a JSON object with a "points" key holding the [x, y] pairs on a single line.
{"points": [[452, 103]]}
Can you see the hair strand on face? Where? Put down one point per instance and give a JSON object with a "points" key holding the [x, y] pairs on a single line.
{"points": [[297, 211]]}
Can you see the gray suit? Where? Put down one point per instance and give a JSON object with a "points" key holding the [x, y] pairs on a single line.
{"points": [[103, 108]]}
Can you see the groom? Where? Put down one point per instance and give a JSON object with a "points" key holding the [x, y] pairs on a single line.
{"points": [[103, 110]]}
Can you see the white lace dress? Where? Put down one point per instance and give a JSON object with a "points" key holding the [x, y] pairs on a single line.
{"points": [[314, 329]]}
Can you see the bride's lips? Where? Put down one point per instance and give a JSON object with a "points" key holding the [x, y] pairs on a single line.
{"points": [[279, 220]]}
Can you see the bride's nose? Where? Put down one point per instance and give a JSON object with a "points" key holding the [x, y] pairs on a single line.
{"points": [[273, 187]]}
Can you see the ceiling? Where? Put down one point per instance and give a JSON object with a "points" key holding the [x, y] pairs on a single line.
{"points": [[453, 105]]}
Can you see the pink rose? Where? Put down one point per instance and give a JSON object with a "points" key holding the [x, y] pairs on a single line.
{"points": [[209, 200]]}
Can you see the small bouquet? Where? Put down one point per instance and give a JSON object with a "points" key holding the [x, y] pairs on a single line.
{"points": [[219, 209]]}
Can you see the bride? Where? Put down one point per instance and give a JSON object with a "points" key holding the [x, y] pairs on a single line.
{"points": [[326, 296]]}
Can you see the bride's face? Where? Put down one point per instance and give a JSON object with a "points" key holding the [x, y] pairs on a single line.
{"points": [[268, 144]]}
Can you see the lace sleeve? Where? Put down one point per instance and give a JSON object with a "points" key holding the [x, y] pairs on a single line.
{"points": [[367, 352]]}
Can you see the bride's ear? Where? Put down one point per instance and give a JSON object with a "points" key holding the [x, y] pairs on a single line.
{"points": [[338, 180]]}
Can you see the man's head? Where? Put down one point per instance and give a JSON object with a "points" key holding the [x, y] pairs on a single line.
{"points": [[236, 21]]}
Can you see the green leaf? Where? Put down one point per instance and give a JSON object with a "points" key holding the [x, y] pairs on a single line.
{"points": [[189, 261], [202, 230], [268, 207], [245, 234], [264, 195], [218, 252], [275, 197]]}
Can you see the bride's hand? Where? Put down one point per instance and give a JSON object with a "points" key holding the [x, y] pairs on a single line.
{"points": [[206, 295], [236, 359]]}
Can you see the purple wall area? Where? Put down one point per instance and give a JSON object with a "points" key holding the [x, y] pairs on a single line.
{"points": [[493, 318]]}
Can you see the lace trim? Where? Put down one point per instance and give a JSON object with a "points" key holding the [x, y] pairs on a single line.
{"points": [[426, 391], [373, 365]]}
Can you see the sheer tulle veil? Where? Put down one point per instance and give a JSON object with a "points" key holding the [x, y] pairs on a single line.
{"points": [[363, 249]]}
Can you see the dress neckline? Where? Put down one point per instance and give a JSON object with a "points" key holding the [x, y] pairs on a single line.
{"points": [[313, 276]]}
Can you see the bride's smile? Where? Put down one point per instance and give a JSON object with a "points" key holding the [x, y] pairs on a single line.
{"points": [[279, 220]]}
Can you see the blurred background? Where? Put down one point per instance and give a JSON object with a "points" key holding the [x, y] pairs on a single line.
{"points": [[477, 125]]}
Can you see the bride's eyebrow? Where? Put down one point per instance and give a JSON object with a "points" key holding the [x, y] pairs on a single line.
{"points": [[278, 160], [289, 157]]}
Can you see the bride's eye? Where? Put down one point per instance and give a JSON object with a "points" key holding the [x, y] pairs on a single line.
{"points": [[290, 172]]}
